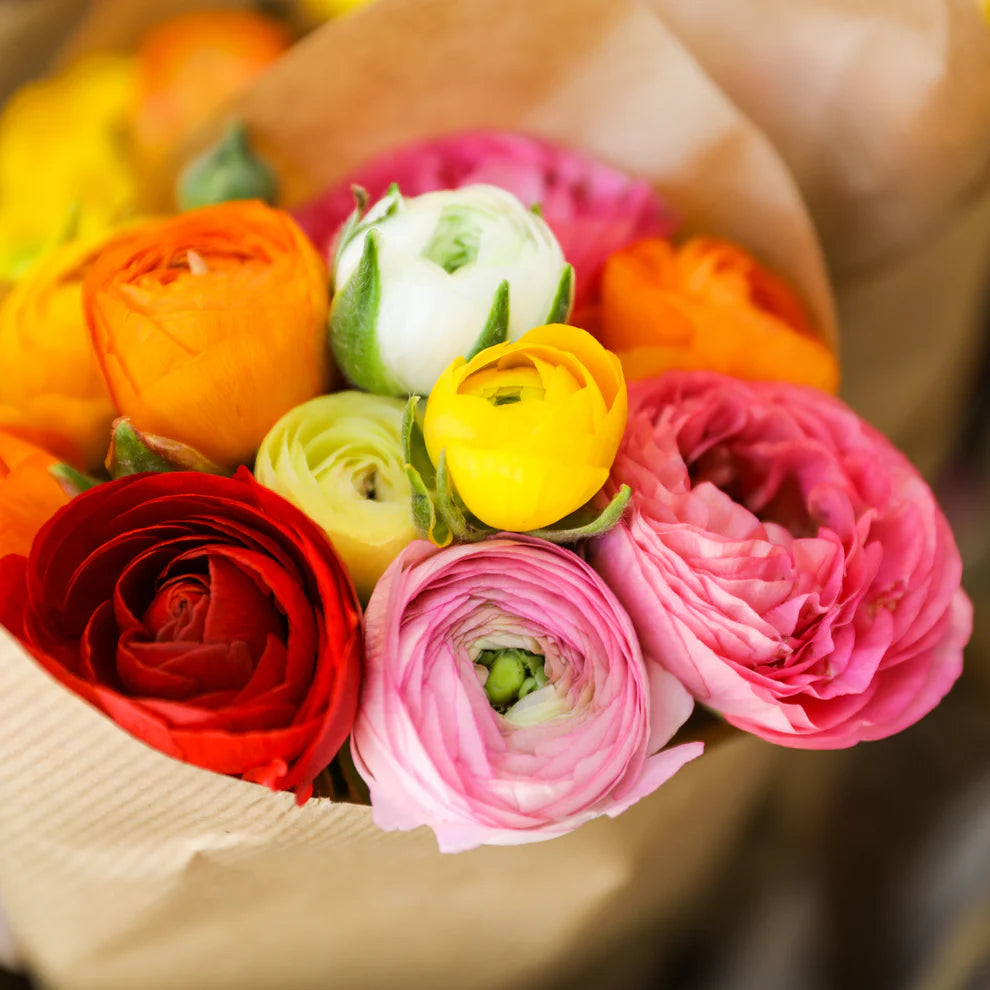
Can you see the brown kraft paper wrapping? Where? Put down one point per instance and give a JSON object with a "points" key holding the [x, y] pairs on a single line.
{"points": [[123, 868]]}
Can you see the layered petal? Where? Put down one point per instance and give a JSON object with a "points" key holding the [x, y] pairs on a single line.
{"points": [[211, 325], [439, 747], [708, 305], [783, 561], [528, 429], [205, 615], [339, 458], [420, 281]]}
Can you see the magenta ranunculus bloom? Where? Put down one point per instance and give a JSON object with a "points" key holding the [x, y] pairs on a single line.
{"points": [[593, 209], [783, 560], [505, 697]]}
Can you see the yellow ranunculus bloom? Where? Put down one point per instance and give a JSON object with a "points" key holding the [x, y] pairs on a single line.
{"points": [[339, 459], [51, 383], [529, 429], [64, 160]]}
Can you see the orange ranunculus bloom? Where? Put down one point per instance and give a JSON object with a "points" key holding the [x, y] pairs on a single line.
{"points": [[29, 495], [708, 305], [51, 386], [189, 66], [211, 324]]}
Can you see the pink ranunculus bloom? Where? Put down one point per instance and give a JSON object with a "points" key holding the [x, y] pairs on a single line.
{"points": [[592, 208], [783, 560], [582, 738]]}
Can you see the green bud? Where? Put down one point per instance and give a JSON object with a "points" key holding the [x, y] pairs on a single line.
{"points": [[228, 171]]}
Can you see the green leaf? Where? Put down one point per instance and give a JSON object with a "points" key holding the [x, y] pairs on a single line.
{"points": [[586, 522], [496, 328], [561, 307], [230, 170]]}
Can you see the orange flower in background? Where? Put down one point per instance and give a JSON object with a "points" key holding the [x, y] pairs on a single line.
{"points": [[708, 305], [51, 385], [29, 495], [191, 65], [211, 324]]}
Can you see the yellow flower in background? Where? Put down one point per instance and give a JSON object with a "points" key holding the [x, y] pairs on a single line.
{"points": [[51, 382], [339, 459], [65, 167], [323, 10], [529, 429]]}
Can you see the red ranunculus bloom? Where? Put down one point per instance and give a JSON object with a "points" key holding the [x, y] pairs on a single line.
{"points": [[205, 615]]}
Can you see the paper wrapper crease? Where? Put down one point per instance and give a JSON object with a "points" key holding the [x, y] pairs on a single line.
{"points": [[120, 867]]}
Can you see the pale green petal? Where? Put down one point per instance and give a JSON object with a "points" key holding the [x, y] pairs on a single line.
{"points": [[339, 459]]}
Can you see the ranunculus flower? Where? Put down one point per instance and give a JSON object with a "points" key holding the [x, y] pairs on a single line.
{"points": [[421, 281], [505, 699], [51, 381], [190, 66], [783, 561], [65, 166], [528, 430], [211, 325], [592, 209], [339, 458], [205, 615], [29, 495], [709, 306]]}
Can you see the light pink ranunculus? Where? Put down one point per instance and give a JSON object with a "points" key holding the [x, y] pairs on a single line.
{"points": [[592, 208], [783, 560], [431, 746]]}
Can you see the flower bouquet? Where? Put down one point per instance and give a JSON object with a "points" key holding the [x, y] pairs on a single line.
{"points": [[472, 496]]}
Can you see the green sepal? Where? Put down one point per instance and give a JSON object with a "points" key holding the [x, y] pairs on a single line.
{"points": [[352, 326], [413, 443], [422, 475], [564, 299], [537, 210], [133, 452], [450, 508], [496, 328], [586, 521], [357, 223], [228, 171], [71, 481]]}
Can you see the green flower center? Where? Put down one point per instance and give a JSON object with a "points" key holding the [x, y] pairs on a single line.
{"points": [[455, 241], [512, 674]]}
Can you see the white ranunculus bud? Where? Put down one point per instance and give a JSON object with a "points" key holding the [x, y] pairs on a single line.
{"points": [[421, 281]]}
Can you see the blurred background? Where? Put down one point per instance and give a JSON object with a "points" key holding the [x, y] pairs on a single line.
{"points": [[871, 867]]}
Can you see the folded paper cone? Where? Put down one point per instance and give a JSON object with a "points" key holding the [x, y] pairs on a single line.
{"points": [[123, 868]]}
